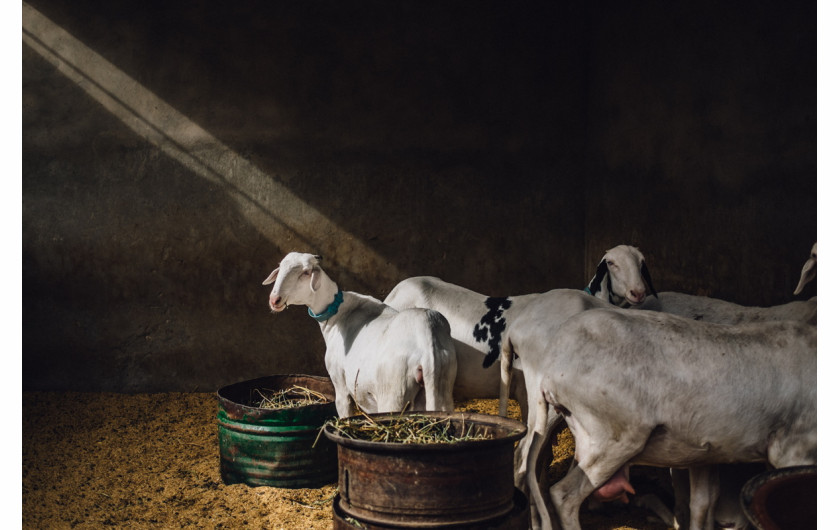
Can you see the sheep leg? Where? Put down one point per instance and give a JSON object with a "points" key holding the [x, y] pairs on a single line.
{"points": [[420, 402], [442, 401], [536, 403], [506, 363], [705, 486], [568, 494], [535, 440], [520, 394], [343, 404], [439, 391], [654, 504], [596, 470], [682, 494], [543, 454]]}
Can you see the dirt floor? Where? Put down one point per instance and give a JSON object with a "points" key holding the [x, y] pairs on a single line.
{"points": [[93, 460]]}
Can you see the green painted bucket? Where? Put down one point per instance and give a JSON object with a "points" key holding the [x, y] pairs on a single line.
{"points": [[274, 447]]}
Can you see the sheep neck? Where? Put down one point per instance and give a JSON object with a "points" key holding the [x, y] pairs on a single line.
{"points": [[606, 287], [331, 309]]}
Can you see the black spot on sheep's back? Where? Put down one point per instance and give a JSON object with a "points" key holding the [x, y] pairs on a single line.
{"points": [[489, 329]]}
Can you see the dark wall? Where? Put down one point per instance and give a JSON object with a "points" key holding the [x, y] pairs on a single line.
{"points": [[702, 143], [173, 152]]}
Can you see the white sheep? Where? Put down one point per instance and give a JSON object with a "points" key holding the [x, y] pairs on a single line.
{"points": [[723, 312], [704, 308], [381, 358], [728, 512], [479, 322], [655, 389]]}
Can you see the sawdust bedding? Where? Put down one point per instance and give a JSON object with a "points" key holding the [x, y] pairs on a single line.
{"points": [[94, 460]]}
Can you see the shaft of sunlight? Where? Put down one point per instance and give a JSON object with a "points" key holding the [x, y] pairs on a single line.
{"points": [[268, 205]]}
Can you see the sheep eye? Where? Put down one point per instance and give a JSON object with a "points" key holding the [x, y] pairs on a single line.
{"points": [[611, 263]]}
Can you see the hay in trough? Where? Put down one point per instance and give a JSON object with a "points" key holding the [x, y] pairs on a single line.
{"points": [[286, 398], [407, 429]]}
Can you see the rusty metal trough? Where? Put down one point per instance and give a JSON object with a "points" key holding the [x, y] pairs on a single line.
{"points": [[437, 485]]}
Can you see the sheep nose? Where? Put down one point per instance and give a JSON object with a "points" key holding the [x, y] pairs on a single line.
{"points": [[272, 300], [637, 296]]}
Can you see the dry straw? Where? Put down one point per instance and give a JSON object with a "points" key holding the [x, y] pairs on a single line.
{"points": [[407, 429], [287, 398]]}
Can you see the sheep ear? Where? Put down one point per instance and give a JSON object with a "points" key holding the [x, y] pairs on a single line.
{"points": [[646, 277], [809, 272], [595, 284], [315, 280], [271, 277]]}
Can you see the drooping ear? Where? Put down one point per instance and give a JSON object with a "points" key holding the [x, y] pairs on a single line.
{"points": [[595, 284], [648, 281], [271, 277], [315, 280]]}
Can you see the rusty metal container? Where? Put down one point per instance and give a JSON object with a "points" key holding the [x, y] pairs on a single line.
{"points": [[782, 499], [519, 518], [461, 484], [274, 447]]}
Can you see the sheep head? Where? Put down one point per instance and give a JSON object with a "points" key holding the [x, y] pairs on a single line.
{"points": [[296, 280], [628, 280]]}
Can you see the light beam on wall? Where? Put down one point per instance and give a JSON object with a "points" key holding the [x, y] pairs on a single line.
{"points": [[270, 207]]}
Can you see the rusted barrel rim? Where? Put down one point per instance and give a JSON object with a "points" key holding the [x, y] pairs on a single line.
{"points": [[514, 430], [228, 398], [754, 489], [516, 519]]}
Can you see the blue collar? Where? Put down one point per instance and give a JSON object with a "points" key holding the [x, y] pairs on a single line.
{"points": [[587, 291], [330, 310]]}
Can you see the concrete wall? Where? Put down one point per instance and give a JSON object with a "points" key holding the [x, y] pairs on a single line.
{"points": [[173, 152]]}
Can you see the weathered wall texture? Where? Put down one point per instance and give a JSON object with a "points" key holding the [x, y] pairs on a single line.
{"points": [[173, 152]]}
